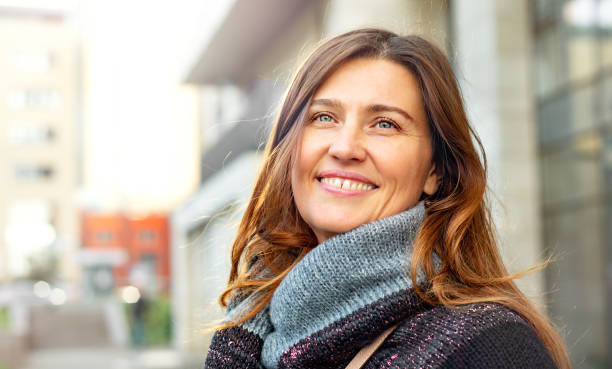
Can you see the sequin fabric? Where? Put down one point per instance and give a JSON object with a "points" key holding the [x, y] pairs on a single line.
{"points": [[348, 290]]}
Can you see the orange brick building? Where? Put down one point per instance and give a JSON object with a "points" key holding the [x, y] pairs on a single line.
{"points": [[145, 242]]}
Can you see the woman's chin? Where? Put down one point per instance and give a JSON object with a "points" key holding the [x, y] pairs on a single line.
{"points": [[327, 229]]}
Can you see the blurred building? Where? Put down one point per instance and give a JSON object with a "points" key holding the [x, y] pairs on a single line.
{"points": [[572, 88], [119, 250], [39, 152], [149, 248], [104, 255], [535, 76]]}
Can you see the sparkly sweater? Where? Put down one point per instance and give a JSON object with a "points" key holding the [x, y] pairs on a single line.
{"points": [[352, 287]]}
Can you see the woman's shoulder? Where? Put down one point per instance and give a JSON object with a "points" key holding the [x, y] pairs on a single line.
{"points": [[470, 317], [486, 335]]}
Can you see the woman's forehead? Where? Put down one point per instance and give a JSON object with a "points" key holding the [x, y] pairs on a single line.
{"points": [[371, 84]]}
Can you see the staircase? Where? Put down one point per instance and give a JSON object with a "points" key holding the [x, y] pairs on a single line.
{"points": [[71, 325]]}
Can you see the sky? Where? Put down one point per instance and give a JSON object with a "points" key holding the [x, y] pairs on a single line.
{"points": [[141, 135]]}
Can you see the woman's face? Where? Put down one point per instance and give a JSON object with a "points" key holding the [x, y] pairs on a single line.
{"points": [[364, 152]]}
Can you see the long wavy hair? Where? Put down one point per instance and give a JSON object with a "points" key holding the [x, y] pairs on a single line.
{"points": [[272, 235]]}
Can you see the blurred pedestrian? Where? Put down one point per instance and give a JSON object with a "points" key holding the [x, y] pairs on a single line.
{"points": [[138, 327]]}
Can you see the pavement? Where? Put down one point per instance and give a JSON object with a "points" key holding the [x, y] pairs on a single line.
{"points": [[111, 358]]}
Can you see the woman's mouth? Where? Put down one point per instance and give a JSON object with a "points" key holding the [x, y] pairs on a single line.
{"points": [[346, 184]]}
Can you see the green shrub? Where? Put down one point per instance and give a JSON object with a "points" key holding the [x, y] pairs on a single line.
{"points": [[4, 321], [157, 328]]}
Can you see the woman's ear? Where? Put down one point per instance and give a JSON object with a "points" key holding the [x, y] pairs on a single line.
{"points": [[432, 181]]}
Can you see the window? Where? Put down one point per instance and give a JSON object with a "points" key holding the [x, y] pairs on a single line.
{"points": [[147, 236], [573, 173], [104, 236], [33, 172], [34, 98], [32, 61], [21, 133], [564, 115]]}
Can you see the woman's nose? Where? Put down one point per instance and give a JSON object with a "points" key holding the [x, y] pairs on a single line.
{"points": [[348, 144]]}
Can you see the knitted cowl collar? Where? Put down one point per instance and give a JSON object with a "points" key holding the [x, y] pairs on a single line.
{"points": [[337, 288]]}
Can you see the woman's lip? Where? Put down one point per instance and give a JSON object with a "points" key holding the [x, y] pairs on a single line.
{"points": [[346, 175]]}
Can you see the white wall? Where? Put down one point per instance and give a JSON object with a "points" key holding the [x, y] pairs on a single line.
{"points": [[493, 49], [425, 18], [199, 269]]}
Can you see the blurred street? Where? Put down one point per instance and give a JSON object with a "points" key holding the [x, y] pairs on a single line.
{"points": [[111, 358], [92, 333]]}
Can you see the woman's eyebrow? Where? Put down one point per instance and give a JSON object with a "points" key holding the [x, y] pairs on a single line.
{"points": [[332, 103], [373, 108], [378, 108]]}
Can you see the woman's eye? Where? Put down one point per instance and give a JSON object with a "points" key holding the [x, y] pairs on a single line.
{"points": [[384, 124], [324, 118]]}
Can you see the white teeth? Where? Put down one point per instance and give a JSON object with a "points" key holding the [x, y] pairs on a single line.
{"points": [[347, 184]]}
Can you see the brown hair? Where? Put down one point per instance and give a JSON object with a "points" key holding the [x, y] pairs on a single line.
{"points": [[458, 226]]}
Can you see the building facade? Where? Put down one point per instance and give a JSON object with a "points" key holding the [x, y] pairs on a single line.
{"points": [[119, 250], [39, 94], [572, 70]]}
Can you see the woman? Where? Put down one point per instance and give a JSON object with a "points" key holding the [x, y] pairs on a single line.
{"points": [[370, 212]]}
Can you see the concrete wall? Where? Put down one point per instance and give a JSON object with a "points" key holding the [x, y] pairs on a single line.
{"points": [[493, 61], [425, 18], [200, 259]]}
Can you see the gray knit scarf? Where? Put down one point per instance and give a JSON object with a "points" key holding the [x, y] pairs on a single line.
{"points": [[339, 276]]}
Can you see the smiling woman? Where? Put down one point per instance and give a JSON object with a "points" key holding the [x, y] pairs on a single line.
{"points": [[385, 229]]}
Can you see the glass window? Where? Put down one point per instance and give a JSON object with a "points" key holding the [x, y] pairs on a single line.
{"points": [[605, 32], [34, 98], [583, 103], [580, 13], [549, 63], [605, 102], [33, 172], [606, 50], [554, 118], [574, 172], [32, 61], [20, 133], [582, 54], [147, 236], [104, 236], [562, 116], [546, 10], [576, 241]]}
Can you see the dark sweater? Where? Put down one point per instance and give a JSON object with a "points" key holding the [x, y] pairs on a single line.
{"points": [[352, 287]]}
